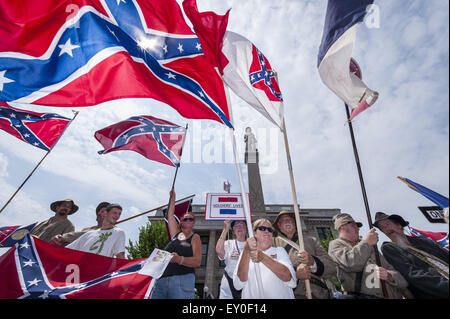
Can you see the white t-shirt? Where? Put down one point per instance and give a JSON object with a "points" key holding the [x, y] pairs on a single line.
{"points": [[273, 287], [108, 242], [233, 249]]}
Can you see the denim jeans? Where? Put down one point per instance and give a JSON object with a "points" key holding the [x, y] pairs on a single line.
{"points": [[175, 287]]}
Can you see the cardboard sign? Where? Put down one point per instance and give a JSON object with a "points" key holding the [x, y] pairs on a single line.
{"points": [[434, 214], [225, 206]]}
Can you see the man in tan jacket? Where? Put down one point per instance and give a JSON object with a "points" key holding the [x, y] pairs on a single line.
{"points": [[313, 263], [357, 270], [58, 224]]}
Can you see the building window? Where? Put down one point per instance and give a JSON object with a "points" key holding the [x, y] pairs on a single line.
{"points": [[324, 232], [205, 241]]}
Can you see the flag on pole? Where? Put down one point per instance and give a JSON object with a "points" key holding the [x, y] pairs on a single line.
{"points": [[440, 237], [34, 269], [154, 138], [38, 129], [181, 208], [10, 235], [244, 67], [436, 198], [227, 186], [85, 52], [335, 53]]}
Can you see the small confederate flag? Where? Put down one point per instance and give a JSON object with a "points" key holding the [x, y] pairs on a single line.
{"points": [[34, 269], [154, 138], [38, 129], [180, 209], [441, 238]]}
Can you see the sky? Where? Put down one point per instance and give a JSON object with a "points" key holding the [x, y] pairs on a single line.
{"points": [[403, 50]]}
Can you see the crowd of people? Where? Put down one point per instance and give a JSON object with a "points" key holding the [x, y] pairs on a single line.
{"points": [[270, 264]]}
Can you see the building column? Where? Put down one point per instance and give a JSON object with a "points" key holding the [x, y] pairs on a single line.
{"points": [[210, 262]]}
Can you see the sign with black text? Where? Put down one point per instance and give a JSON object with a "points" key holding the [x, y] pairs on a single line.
{"points": [[434, 214], [225, 206]]}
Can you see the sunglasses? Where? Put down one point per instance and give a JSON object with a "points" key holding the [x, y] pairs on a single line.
{"points": [[264, 228], [188, 219]]}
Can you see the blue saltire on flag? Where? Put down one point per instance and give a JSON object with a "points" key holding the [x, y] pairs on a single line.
{"points": [[69, 53], [436, 198], [38, 129], [440, 238]]}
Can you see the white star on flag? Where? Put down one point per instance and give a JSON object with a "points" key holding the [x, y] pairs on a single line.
{"points": [[4, 79], [26, 245], [29, 263], [180, 47], [67, 48], [33, 282]]}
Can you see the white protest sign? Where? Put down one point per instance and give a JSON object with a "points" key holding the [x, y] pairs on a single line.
{"points": [[225, 206]]}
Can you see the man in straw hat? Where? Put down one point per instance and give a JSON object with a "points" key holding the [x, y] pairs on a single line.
{"points": [[357, 269], [422, 262], [313, 263], [58, 224]]}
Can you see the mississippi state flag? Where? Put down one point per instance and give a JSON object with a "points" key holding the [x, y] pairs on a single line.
{"points": [[154, 138], [85, 52], [244, 67], [339, 34], [441, 238], [34, 269], [10, 235], [38, 129]]}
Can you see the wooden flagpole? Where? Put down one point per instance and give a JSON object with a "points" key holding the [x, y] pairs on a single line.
{"points": [[363, 190], [296, 209], [38, 164], [151, 210], [248, 220]]}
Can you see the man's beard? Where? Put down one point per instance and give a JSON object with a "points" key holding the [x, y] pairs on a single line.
{"points": [[399, 240]]}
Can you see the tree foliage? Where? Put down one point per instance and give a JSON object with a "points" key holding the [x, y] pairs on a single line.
{"points": [[152, 235], [325, 243]]}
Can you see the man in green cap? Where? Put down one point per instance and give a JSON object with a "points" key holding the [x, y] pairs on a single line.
{"points": [[357, 270], [58, 224]]}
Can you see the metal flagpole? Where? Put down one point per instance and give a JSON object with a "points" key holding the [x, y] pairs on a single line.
{"points": [[363, 190], [244, 197], [296, 209], [38, 164]]}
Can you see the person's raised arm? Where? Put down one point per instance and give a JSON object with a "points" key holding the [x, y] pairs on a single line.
{"points": [[220, 246], [171, 221]]}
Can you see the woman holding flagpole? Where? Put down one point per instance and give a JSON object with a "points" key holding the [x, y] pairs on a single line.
{"points": [[178, 280], [277, 272]]}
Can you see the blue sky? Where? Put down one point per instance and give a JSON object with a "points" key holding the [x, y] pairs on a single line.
{"points": [[405, 57]]}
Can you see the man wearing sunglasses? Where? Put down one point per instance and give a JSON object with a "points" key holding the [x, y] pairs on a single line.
{"points": [[277, 272], [313, 263]]}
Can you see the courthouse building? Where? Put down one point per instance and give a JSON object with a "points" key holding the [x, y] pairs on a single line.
{"points": [[315, 222]]}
